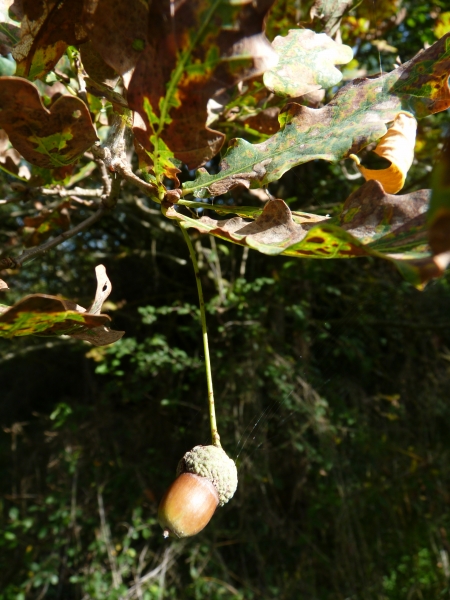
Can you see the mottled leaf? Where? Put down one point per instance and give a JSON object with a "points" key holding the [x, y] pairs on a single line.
{"points": [[396, 146], [305, 63], [273, 230], [372, 223], [369, 215], [389, 223], [47, 28], [43, 315], [200, 49], [356, 117], [46, 138], [423, 81]]}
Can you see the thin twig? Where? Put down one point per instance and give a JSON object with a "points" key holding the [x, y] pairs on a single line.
{"points": [[87, 193], [165, 564], [212, 411], [106, 179], [66, 235], [10, 201], [117, 578]]}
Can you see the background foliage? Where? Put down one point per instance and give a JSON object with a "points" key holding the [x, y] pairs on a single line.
{"points": [[332, 382]]}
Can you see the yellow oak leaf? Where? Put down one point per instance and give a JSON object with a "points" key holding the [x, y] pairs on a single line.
{"points": [[397, 146]]}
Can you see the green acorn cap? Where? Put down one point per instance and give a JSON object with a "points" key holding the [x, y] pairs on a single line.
{"points": [[214, 464]]}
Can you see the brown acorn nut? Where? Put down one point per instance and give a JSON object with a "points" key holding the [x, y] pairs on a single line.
{"points": [[207, 477]]}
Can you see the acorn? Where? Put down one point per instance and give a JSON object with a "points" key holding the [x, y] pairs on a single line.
{"points": [[206, 478]]}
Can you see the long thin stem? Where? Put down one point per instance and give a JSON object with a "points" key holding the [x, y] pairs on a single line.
{"points": [[212, 411]]}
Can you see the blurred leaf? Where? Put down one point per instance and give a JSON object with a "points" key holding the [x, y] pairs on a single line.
{"points": [[9, 157], [396, 146], [96, 67], [330, 12], [3, 286], [43, 315], [442, 25], [305, 63], [37, 229], [47, 28], [46, 138], [439, 213], [9, 36], [354, 118]]}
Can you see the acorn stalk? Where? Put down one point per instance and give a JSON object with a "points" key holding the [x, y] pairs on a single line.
{"points": [[206, 476]]}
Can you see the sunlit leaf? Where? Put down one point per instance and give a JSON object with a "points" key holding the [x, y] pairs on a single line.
{"points": [[356, 117], [305, 63], [47, 28], [396, 146]]}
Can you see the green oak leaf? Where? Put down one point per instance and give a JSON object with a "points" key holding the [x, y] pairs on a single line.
{"points": [[357, 116]]}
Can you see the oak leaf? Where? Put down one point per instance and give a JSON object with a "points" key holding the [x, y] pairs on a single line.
{"points": [[46, 138], [47, 28], [44, 315], [192, 54], [305, 63], [356, 117]]}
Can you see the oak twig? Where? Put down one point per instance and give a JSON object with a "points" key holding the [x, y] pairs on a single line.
{"points": [[15, 263], [119, 164]]}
